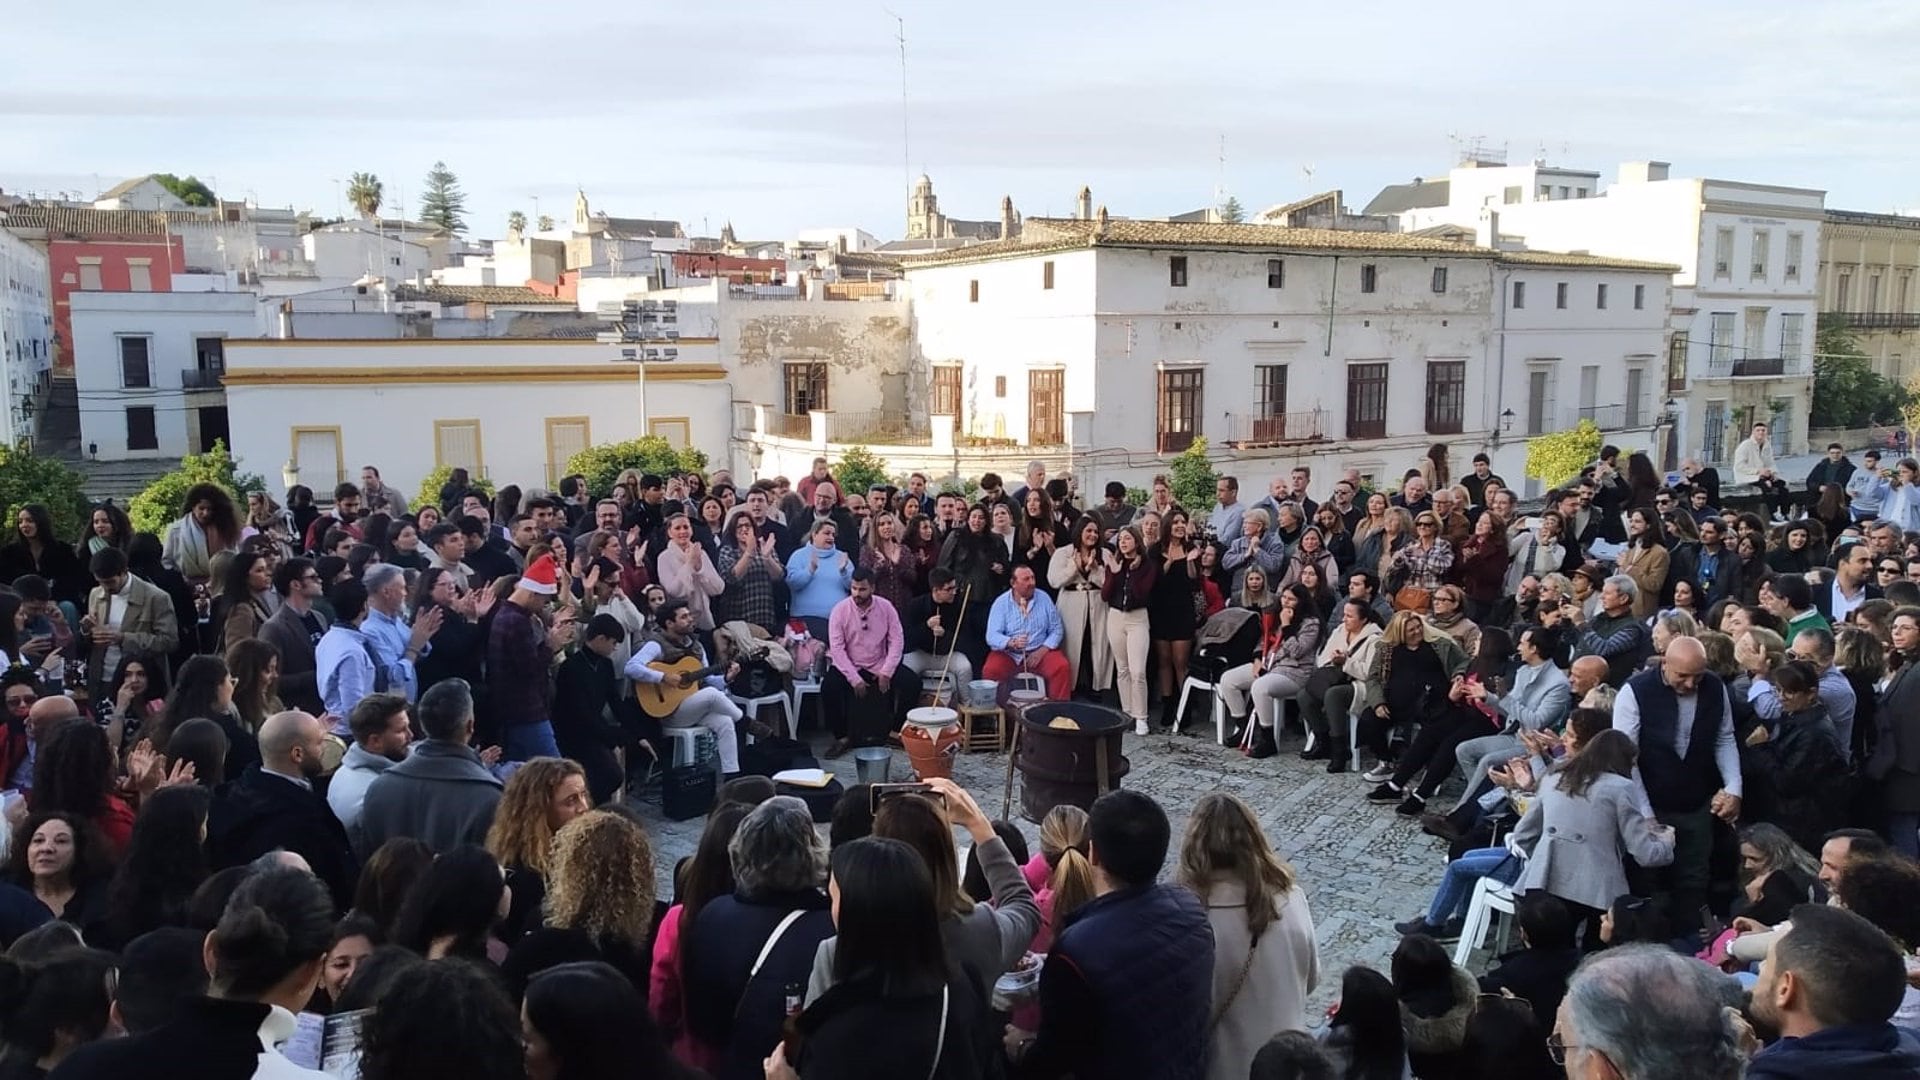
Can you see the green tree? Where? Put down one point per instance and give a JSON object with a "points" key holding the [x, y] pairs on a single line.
{"points": [[859, 469], [545, 223], [28, 478], [1554, 459], [190, 190], [164, 499], [516, 222], [1847, 392], [436, 478], [1232, 212], [443, 202], [1193, 477], [603, 464], [365, 191]]}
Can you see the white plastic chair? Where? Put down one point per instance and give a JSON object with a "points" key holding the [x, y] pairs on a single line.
{"points": [[1027, 680], [685, 744], [1195, 682], [1489, 897], [801, 688], [752, 706]]}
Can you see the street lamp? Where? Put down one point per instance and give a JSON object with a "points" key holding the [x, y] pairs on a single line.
{"points": [[289, 475]]}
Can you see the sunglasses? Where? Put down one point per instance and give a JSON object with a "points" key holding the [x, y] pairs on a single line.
{"points": [[1889, 569]]}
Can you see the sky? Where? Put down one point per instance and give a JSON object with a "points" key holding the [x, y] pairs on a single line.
{"points": [[784, 116]]}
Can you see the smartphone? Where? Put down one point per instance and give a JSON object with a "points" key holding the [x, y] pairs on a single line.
{"points": [[880, 793], [1714, 926]]}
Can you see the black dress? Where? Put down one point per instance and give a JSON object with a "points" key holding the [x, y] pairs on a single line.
{"points": [[1170, 614]]}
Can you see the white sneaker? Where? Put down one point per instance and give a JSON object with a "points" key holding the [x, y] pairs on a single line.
{"points": [[1140, 727], [1312, 741], [1379, 774]]}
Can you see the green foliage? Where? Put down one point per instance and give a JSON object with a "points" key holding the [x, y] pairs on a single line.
{"points": [[1554, 459], [27, 478], [443, 202], [164, 500], [545, 223], [365, 191], [859, 469], [1232, 212], [517, 222], [965, 486], [1192, 477], [431, 484], [603, 464], [1137, 496], [190, 190], [1847, 392]]}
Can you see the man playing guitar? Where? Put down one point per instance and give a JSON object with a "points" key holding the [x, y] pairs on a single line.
{"points": [[707, 707]]}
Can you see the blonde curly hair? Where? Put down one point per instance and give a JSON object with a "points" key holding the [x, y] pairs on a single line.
{"points": [[600, 877], [520, 834]]}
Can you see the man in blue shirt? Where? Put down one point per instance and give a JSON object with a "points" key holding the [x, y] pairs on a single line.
{"points": [[1024, 631], [344, 660], [396, 646]]}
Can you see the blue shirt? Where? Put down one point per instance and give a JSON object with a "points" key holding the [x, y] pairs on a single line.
{"points": [[343, 669], [818, 587], [1040, 623], [390, 636]]}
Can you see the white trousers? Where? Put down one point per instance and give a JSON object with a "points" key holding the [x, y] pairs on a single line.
{"points": [[710, 708], [1267, 691], [1129, 642]]}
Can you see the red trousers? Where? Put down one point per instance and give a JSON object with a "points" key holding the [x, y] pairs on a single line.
{"points": [[1053, 667]]}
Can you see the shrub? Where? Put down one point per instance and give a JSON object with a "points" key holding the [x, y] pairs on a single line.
{"points": [[1557, 458], [28, 478], [430, 486], [161, 503], [603, 464], [858, 470], [1192, 478]]}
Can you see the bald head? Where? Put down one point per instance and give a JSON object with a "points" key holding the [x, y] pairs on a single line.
{"points": [[291, 743], [1684, 662], [48, 712], [1585, 674]]}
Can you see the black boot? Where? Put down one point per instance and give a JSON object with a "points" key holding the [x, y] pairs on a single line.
{"points": [[1236, 731], [1170, 717], [1338, 763], [1263, 746]]}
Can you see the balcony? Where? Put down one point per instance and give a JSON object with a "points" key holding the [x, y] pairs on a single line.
{"points": [[1876, 320], [1251, 430], [1604, 417], [878, 427], [789, 425], [1752, 367], [200, 379]]}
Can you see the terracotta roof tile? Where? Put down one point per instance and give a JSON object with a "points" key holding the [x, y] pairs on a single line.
{"points": [[477, 294], [85, 221]]}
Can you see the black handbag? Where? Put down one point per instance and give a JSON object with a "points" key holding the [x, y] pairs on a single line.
{"points": [[757, 679], [688, 791]]}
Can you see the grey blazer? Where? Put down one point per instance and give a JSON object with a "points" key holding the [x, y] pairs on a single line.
{"points": [[1574, 843], [299, 687]]}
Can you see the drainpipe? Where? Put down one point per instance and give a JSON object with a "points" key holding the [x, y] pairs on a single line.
{"points": [[1503, 280], [1333, 290]]}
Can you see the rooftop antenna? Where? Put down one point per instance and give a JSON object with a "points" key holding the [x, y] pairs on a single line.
{"points": [[906, 140], [1306, 172], [1220, 182]]}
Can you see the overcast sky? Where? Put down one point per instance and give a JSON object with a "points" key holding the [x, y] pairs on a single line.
{"points": [[782, 116]]}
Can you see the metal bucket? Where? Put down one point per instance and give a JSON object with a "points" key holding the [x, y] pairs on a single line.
{"points": [[938, 688], [873, 764], [983, 693]]}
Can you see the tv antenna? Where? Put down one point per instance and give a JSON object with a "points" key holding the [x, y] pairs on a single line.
{"points": [[906, 140]]}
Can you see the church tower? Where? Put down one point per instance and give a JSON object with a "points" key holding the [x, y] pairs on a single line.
{"points": [[923, 210], [580, 211]]}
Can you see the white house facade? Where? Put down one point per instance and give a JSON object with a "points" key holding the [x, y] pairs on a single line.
{"points": [[147, 369], [26, 334]]}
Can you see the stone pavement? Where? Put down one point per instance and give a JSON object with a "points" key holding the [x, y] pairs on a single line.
{"points": [[1363, 867]]}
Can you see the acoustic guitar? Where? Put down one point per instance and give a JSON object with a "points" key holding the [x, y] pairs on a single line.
{"points": [[658, 700]]}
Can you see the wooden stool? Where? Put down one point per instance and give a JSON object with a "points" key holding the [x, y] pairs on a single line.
{"points": [[973, 734]]}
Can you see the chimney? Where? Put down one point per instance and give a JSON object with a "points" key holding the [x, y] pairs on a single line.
{"points": [[1006, 217], [286, 319], [1100, 223], [1083, 211], [1486, 231], [1643, 172]]}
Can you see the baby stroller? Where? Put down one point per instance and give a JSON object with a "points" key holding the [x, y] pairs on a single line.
{"points": [[1226, 640]]}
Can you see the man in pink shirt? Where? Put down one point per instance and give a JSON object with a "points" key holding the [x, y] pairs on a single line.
{"points": [[868, 690]]}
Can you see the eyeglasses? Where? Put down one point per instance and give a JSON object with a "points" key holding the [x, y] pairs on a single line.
{"points": [[1425, 525], [1558, 1047]]}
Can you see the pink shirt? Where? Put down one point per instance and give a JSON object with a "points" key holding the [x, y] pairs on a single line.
{"points": [[864, 640]]}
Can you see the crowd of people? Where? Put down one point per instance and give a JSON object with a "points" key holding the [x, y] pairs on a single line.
{"points": [[291, 785]]}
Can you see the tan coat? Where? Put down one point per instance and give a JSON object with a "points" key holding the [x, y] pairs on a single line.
{"points": [[148, 627], [1083, 612], [1273, 998], [1648, 569]]}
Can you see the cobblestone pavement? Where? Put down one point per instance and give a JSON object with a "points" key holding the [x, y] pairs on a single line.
{"points": [[1363, 867]]}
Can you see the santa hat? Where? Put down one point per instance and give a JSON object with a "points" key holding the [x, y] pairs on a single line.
{"points": [[540, 576]]}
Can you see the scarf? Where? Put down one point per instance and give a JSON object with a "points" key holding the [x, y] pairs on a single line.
{"points": [[1447, 622]]}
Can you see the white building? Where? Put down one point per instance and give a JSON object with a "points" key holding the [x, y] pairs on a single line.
{"points": [[844, 238], [147, 368], [511, 411], [1119, 342], [351, 250], [139, 193], [1746, 294], [26, 334]]}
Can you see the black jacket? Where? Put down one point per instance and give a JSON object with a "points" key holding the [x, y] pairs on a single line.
{"points": [[256, 812], [1686, 566], [583, 691], [1868, 1052], [1836, 473], [846, 531], [490, 563], [1799, 777], [918, 637], [58, 563], [855, 1030], [213, 1040], [726, 1009], [1537, 975], [1823, 597]]}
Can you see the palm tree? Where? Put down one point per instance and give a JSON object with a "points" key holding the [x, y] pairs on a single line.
{"points": [[516, 222], [364, 192], [546, 222]]}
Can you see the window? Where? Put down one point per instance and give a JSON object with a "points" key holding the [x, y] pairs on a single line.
{"points": [[210, 354], [90, 276], [1723, 252], [1510, 195], [1046, 407], [136, 363], [1367, 401], [1177, 271], [946, 391], [1639, 297], [1519, 294], [1677, 362], [1046, 274], [1276, 273], [1540, 398], [1270, 416], [1369, 277], [999, 386], [1873, 292], [318, 455], [140, 430], [973, 291], [804, 388], [1796, 244], [139, 275], [1841, 291], [1560, 295], [1446, 396], [1579, 193], [1563, 191], [1546, 191], [1762, 241], [1902, 296], [456, 445], [1600, 296], [568, 435], [1636, 392], [1439, 279], [1720, 340], [1793, 329], [1179, 419]]}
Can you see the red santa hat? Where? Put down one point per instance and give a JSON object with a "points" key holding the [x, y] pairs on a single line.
{"points": [[540, 577]]}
